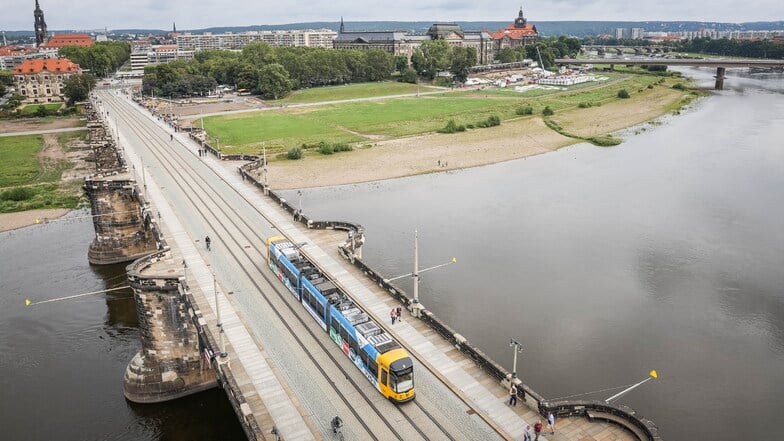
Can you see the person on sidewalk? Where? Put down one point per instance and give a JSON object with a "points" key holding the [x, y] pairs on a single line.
{"points": [[527, 433], [513, 395], [537, 430], [398, 313], [551, 423], [393, 315]]}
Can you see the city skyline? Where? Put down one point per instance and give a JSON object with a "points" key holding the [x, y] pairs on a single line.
{"points": [[198, 14]]}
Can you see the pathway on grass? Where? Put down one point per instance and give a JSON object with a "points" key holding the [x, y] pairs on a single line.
{"points": [[44, 132]]}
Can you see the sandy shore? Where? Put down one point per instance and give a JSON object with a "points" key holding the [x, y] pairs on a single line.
{"points": [[513, 139], [12, 221]]}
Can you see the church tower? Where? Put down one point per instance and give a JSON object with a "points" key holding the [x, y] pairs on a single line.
{"points": [[342, 28], [520, 21], [41, 36]]}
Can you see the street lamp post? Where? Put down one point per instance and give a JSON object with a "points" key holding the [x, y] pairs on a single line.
{"points": [[415, 307], [221, 347], [517, 349], [651, 376]]}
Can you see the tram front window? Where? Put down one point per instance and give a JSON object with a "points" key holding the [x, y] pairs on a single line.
{"points": [[402, 381]]}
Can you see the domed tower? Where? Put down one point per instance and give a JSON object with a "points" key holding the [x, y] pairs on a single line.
{"points": [[41, 36], [520, 21]]}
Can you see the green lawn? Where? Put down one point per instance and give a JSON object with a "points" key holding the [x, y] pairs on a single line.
{"points": [[32, 108], [19, 165], [279, 130], [351, 91], [398, 117]]}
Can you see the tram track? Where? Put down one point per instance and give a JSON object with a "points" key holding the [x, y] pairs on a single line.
{"points": [[206, 199]]}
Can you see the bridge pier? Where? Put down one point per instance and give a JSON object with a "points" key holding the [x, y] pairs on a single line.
{"points": [[170, 364], [122, 225], [720, 78]]}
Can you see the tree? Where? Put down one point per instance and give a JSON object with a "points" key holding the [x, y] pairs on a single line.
{"points": [[409, 75], [77, 87], [379, 65], [436, 56], [401, 63], [274, 81], [507, 55], [463, 58]]}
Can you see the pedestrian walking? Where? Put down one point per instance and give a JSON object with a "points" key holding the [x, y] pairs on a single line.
{"points": [[527, 433], [393, 315], [398, 312], [171, 137], [513, 395], [207, 241], [551, 423], [537, 430]]}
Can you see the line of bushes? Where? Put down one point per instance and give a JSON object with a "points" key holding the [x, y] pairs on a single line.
{"points": [[601, 141], [323, 147], [453, 127]]}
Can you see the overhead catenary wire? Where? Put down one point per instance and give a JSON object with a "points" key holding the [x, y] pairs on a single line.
{"points": [[31, 303]]}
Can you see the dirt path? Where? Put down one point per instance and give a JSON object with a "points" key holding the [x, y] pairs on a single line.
{"points": [[32, 124]]}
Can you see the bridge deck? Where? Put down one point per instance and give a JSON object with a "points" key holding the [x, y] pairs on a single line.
{"points": [[271, 403], [437, 354]]}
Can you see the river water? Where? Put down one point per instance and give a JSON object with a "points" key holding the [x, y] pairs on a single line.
{"points": [[662, 253], [62, 363], [665, 253]]}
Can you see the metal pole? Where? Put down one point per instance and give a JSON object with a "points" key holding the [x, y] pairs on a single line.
{"points": [[517, 348], [415, 275], [651, 376], [217, 313]]}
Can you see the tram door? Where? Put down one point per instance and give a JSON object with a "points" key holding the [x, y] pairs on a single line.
{"points": [[384, 377]]}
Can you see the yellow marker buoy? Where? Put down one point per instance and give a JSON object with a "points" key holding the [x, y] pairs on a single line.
{"points": [[27, 302]]}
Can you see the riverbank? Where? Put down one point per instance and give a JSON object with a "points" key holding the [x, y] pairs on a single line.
{"points": [[434, 152], [13, 221]]}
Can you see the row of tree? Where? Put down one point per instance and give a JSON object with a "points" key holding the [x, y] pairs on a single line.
{"points": [[101, 59], [547, 48], [734, 48], [268, 71]]}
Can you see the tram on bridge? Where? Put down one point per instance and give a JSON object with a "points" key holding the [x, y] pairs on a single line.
{"points": [[375, 353]]}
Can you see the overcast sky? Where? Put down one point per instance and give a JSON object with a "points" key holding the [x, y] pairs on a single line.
{"points": [[195, 14]]}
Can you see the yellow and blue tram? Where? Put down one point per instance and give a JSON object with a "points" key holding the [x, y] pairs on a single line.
{"points": [[374, 352]]}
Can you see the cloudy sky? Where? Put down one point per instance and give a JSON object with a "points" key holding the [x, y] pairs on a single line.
{"points": [[196, 14]]}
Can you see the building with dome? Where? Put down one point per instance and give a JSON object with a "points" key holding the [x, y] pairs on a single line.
{"points": [[519, 33]]}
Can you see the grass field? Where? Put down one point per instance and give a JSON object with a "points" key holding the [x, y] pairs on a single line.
{"points": [[399, 117], [19, 165], [32, 108], [26, 183], [351, 91]]}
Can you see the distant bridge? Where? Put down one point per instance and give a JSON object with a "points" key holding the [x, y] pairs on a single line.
{"points": [[602, 49], [720, 64]]}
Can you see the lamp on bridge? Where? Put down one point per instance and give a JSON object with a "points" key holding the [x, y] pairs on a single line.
{"points": [[518, 348], [415, 307], [651, 376], [221, 346]]}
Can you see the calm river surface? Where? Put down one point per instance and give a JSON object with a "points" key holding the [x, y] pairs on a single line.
{"points": [[665, 252], [62, 363]]}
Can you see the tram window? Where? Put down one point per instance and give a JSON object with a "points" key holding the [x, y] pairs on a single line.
{"points": [[353, 345], [384, 376], [372, 367], [320, 309], [343, 333]]}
